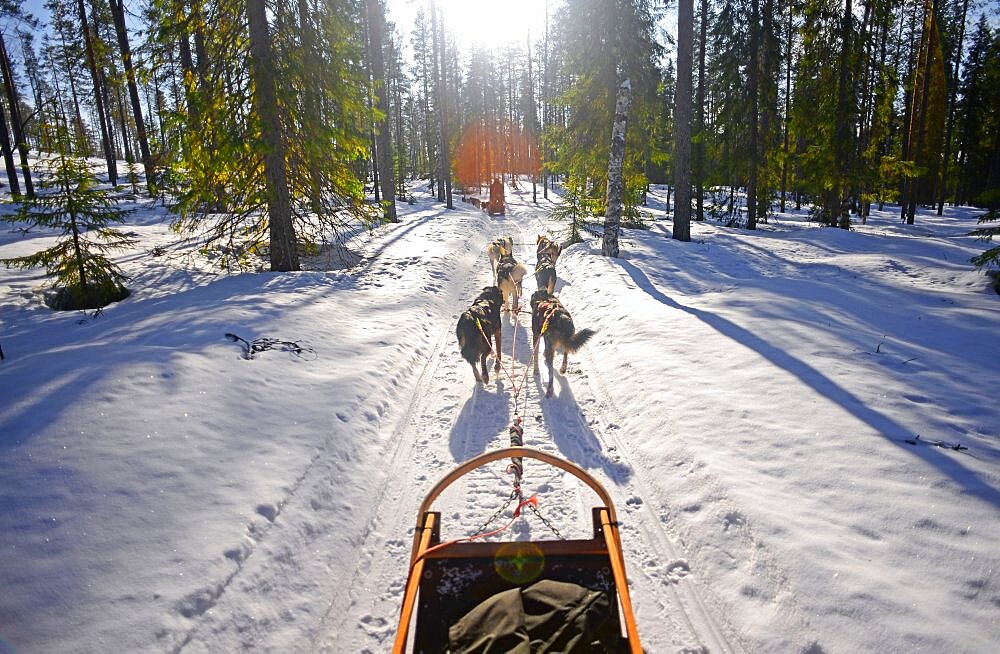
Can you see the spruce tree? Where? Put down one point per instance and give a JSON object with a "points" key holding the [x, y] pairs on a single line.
{"points": [[990, 259], [603, 42], [84, 216]]}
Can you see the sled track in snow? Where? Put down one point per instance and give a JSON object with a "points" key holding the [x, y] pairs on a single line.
{"points": [[446, 418], [697, 614], [430, 435], [437, 431]]}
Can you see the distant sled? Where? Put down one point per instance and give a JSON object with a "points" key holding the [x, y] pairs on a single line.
{"points": [[539, 595]]}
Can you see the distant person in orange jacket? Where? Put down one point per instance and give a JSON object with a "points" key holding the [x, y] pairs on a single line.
{"points": [[496, 197]]}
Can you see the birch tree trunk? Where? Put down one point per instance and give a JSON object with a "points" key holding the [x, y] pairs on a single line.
{"points": [[616, 161], [284, 256]]}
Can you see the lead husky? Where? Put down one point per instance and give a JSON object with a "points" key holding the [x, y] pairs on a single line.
{"points": [[509, 276], [545, 245], [497, 249]]}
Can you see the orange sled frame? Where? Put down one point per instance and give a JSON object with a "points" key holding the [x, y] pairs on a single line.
{"points": [[597, 563]]}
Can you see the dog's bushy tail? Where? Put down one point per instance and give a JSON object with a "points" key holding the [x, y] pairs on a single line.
{"points": [[577, 340]]}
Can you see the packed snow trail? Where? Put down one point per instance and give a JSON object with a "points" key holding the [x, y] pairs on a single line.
{"points": [[441, 418], [750, 400]]}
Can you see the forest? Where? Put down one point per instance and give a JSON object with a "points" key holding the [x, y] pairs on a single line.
{"points": [[268, 126], [246, 251]]}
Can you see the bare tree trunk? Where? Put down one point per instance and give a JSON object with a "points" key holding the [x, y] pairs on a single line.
{"points": [[909, 99], [788, 94], [383, 159], [927, 48], [17, 125], [438, 101], [8, 155], [102, 114], [118, 12], [444, 161], [545, 103], [682, 121], [699, 154], [838, 208], [284, 255], [951, 112], [754, 83], [616, 161]]}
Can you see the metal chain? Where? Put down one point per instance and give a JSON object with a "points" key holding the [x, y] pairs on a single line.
{"points": [[513, 494], [548, 524]]}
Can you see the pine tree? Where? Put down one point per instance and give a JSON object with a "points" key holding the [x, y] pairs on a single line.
{"points": [[103, 111], [12, 14], [682, 121], [84, 216], [282, 242], [980, 124], [224, 193], [603, 42], [990, 259], [118, 12]]}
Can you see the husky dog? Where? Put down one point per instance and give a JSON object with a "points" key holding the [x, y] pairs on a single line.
{"points": [[545, 245], [509, 276], [497, 249], [475, 327], [550, 320], [545, 273]]}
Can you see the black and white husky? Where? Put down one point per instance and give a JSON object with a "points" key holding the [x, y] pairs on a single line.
{"points": [[476, 326]]}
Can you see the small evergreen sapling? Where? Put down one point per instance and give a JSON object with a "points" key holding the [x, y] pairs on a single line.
{"points": [[990, 259], [71, 203]]}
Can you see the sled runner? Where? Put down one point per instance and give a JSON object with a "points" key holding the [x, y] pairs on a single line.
{"points": [[521, 596]]}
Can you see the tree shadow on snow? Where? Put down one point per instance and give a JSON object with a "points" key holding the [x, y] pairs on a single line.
{"points": [[881, 423]]}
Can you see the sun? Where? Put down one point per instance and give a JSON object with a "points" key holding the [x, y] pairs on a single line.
{"points": [[493, 24]]}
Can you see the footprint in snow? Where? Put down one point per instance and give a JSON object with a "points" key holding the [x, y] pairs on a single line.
{"points": [[268, 511]]}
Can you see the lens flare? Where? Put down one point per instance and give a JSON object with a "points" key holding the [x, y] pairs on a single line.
{"points": [[519, 563]]}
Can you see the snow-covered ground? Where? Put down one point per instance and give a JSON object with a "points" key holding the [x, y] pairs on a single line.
{"points": [[748, 400]]}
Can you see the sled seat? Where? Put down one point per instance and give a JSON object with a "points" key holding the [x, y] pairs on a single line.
{"points": [[537, 595]]}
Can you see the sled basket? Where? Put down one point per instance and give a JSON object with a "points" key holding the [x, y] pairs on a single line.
{"points": [[539, 595]]}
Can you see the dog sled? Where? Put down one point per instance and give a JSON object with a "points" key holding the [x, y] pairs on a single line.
{"points": [[517, 596]]}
